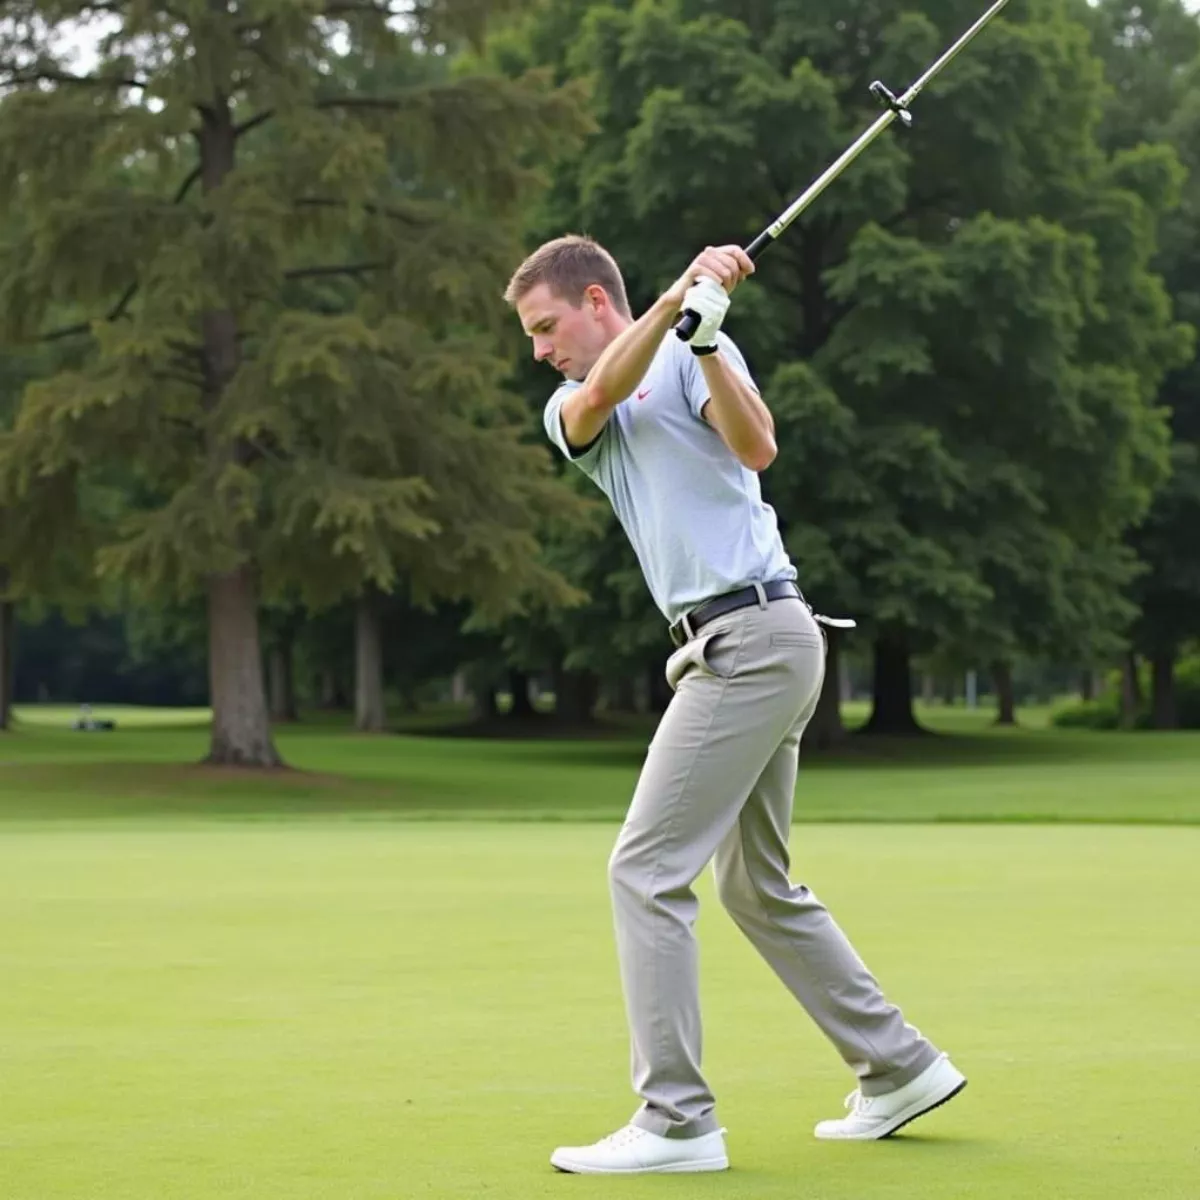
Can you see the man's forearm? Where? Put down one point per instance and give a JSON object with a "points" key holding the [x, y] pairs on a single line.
{"points": [[628, 357], [738, 414]]}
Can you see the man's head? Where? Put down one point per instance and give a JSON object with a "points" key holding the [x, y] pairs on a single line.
{"points": [[571, 300]]}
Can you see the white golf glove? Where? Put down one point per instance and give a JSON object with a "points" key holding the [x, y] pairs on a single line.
{"points": [[710, 301]]}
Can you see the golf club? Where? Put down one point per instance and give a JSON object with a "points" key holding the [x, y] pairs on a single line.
{"points": [[897, 106]]}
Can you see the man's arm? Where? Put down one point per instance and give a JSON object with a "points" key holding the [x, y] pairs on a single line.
{"points": [[737, 412], [617, 372], [627, 358]]}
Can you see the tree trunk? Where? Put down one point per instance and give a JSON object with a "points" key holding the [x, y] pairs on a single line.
{"points": [[483, 702], [658, 690], [1087, 686], [1130, 698], [282, 680], [241, 730], [8, 631], [369, 716], [1006, 713], [1162, 667], [518, 685], [892, 699], [826, 728], [623, 697], [576, 693]]}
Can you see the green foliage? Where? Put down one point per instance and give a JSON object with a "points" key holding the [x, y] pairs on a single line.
{"points": [[1105, 712], [297, 252], [1152, 59], [962, 341]]}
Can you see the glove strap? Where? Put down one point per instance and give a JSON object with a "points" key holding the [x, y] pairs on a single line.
{"points": [[700, 351]]}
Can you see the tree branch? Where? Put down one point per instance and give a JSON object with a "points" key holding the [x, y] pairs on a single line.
{"points": [[375, 210], [254, 122], [340, 8], [117, 312], [178, 377], [46, 76], [379, 102], [336, 269], [186, 186], [56, 335]]}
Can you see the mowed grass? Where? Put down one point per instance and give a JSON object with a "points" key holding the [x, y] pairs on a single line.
{"points": [[371, 1012], [970, 773]]}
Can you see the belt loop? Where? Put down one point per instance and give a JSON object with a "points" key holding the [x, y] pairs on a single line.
{"points": [[688, 631], [761, 592]]}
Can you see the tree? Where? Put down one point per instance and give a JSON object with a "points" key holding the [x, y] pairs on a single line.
{"points": [[45, 535], [195, 196], [1151, 53], [947, 337]]}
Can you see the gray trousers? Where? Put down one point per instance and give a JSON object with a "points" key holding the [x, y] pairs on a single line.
{"points": [[718, 783]]}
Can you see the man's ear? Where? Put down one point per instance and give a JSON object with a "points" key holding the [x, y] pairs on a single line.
{"points": [[596, 297]]}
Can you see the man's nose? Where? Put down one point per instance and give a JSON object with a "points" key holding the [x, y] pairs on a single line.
{"points": [[542, 350]]}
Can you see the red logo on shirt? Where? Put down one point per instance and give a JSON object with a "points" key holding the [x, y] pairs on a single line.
{"points": [[643, 395]]}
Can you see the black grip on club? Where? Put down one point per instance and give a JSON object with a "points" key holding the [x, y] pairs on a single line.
{"points": [[689, 321], [687, 324]]}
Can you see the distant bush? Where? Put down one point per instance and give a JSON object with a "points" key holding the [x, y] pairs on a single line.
{"points": [[1105, 713], [1187, 692], [1087, 714]]}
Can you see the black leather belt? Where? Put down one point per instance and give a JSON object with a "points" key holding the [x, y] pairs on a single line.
{"points": [[718, 606]]}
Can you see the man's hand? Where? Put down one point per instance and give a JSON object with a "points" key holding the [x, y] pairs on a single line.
{"points": [[728, 265], [710, 302]]}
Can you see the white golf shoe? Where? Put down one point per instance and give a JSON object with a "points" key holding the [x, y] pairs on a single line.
{"points": [[873, 1117], [635, 1151]]}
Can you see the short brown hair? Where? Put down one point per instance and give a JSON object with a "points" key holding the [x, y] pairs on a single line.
{"points": [[570, 265]]}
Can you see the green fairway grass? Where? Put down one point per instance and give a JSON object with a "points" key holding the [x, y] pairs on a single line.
{"points": [[974, 773], [134, 716], [334, 1011]]}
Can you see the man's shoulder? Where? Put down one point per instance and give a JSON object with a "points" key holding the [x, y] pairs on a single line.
{"points": [[562, 391]]}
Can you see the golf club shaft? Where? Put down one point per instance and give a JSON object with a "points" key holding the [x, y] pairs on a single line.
{"points": [[689, 321]]}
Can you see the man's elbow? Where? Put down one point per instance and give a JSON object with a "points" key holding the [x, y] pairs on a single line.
{"points": [[760, 456], [594, 400]]}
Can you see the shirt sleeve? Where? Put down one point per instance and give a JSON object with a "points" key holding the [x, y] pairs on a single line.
{"points": [[587, 458], [695, 386]]}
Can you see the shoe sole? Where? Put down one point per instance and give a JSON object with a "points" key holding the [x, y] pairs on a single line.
{"points": [[680, 1168], [921, 1112], [898, 1122]]}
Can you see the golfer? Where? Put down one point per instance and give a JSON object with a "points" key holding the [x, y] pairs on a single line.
{"points": [[674, 434]]}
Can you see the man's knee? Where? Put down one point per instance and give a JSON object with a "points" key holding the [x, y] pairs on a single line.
{"points": [[749, 890], [626, 869], [647, 876], [735, 888]]}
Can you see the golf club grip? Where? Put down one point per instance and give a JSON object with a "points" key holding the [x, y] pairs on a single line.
{"points": [[687, 324], [689, 321]]}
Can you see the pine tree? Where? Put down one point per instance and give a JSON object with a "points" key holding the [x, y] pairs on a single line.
{"points": [[283, 227]]}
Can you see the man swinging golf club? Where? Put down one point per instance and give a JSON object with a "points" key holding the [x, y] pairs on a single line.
{"points": [[673, 431]]}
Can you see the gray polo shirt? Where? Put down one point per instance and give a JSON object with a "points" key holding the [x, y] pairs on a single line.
{"points": [[694, 515]]}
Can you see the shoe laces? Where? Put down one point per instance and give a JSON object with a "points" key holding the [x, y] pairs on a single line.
{"points": [[858, 1104]]}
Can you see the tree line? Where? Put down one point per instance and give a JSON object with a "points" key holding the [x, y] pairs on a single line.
{"points": [[259, 395]]}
